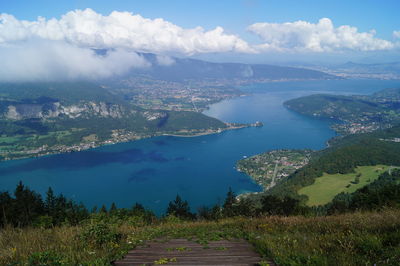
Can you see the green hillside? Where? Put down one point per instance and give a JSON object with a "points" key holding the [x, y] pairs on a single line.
{"points": [[326, 187], [357, 114], [369, 149], [43, 118]]}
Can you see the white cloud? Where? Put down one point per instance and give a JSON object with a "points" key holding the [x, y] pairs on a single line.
{"points": [[86, 28], [303, 36], [39, 60], [164, 60], [396, 34]]}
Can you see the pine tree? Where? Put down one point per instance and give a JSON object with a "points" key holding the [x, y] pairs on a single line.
{"points": [[28, 205], [179, 208], [103, 209], [138, 209], [50, 202], [94, 210], [6, 203], [229, 209], [113, 208]]}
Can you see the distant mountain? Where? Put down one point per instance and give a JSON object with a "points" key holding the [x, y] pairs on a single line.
{"points": [[384, 68], [180, 69], [65, 92]]}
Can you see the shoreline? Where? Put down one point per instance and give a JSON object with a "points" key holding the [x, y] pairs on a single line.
{"points": [[124, 139], [208, 133]]}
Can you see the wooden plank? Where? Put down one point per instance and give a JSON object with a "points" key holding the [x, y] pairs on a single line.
{"points": [[185, 252]]}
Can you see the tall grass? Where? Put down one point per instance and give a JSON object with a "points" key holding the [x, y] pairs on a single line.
{"points": [[351, 239]]}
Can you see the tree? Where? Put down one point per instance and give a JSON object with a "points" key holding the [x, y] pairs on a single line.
{"points": [[28, 208], [289, 206], [229, 209], [271, 205], [137, 208], [103, 209], [113, 208], [50, 202], [6, 203], [180, 208], [245, 207], [94, 210], [28, 205]]}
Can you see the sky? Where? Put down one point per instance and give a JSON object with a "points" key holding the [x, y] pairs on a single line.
{"points": [[40, 34]]}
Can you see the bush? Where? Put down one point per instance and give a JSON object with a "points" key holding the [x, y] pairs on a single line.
{"points": [[99, 234], [45, 258], [43, 221]]}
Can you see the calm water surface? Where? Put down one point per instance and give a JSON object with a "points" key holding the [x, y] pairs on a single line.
{"points": [[200, 169]]}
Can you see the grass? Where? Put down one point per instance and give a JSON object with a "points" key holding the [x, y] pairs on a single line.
{"points": [[352, 239], [326, 187], [90, 138], [17, 139]]}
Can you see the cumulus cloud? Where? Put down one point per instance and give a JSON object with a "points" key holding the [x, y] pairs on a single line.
{"points": [[303, 36], [39, 60], [86, 28], [396, 34]]}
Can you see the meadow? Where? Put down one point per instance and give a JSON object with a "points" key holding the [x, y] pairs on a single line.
{"points": [[326, 187], [361, 238]]}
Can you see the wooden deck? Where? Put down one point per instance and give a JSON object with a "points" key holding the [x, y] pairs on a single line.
{"points": [[184, 252]]}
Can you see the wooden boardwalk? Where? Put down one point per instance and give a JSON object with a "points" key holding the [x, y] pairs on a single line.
{"points": [[184, 252]]}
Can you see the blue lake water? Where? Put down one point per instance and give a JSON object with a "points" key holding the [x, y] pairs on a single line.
{"points": [[201, 169]]}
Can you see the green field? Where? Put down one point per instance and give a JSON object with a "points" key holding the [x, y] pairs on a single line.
{"points": [[326, 187]]}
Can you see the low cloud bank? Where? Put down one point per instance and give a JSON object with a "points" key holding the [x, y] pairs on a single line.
{"points": [[40, 60]]}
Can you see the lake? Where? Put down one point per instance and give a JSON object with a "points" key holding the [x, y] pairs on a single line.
{"points": [[200, 169]]}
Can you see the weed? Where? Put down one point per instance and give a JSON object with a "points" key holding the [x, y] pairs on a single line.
{"points": [[165, 261], [45, 258], [98, 234]]}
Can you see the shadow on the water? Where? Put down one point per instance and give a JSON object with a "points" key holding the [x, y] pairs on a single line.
{"points": [[159, 142], [142, 175], [85, 159]]}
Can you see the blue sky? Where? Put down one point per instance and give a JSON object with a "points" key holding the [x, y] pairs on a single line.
{"points": [[235, 17]]}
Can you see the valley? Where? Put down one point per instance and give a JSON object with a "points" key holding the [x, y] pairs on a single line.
{"points": [[199, 133], [42, 118]]}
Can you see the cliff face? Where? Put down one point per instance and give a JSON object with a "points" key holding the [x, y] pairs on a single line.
{"points": [[20, 111], [56, 109]]}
